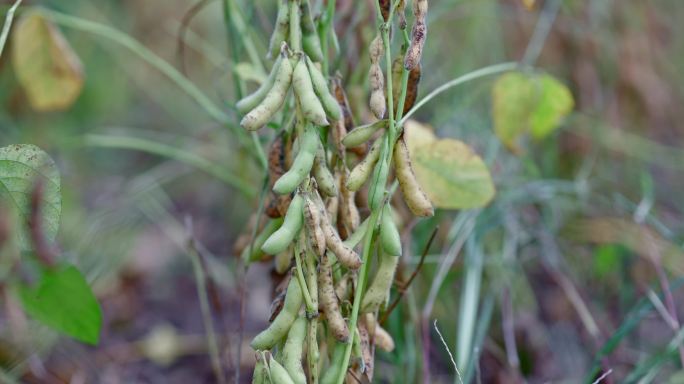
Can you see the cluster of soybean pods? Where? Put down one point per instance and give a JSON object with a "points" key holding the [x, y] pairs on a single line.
{"points": [[316, 203]]}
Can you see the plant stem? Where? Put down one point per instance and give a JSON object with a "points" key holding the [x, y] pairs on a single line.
{"points": [[235, 16], [482, 72], [325, 34], [8, 23], [386, 153], [372, 221]]}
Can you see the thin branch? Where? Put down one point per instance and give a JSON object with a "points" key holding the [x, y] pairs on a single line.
{"points": [[8, 24], [451, 357], [185, 21]]}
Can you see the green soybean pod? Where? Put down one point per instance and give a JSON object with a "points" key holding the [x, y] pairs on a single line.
{"points": [[324, 178], [303, 88], [364, 168], [301, 165], [259, 375], [310, 40], [330, 376], [320, 86], [292, 224], [262, 113], [377, 190], [278, 329], [389, 234], [248, 103], [283, 260], [293, 351], [256, 253], [281, 29], [295, 26], [363, 133], [279, 374], [379, 289]]}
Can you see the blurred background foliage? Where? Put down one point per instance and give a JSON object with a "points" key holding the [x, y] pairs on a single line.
{"points": [[574, 269]]}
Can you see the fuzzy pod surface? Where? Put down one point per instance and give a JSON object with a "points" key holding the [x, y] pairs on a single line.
{"points": [[274, 99], [415, 198], [308, 100], [292, 224], [301, 165], [278, 329], [293, 351]]}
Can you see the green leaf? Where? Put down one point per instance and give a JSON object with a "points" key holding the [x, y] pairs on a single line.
{"points": [[533, 104], [46, 66], [63, 301], [21, 165], [452, 175]]}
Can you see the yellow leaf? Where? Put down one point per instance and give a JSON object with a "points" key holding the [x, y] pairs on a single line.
{"points": [[524, 104], [46, 66], [417, 134], [452, 175], [529, 4]]}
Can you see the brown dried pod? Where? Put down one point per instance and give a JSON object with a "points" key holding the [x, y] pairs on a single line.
{"points": [[385, 8], [277, 165], [312, 221], [348, 218], [329, 301], [418, 34], [411, 86]]}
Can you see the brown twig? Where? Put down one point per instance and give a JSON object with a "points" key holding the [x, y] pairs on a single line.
{"points": [[180, 41], [45, 252], [402, 289]]}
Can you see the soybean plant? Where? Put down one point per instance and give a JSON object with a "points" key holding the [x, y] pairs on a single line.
{"points": [[324, 171]]}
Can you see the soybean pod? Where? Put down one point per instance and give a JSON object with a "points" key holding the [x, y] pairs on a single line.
{"points": [[330, 376], [293, 351], [310, 41], [278, 329], [279, 374], [283, 260], [379, 290], [301, 165], [348, 215], [347, 256], [418, 34], [389, 234], [256, 253], [364, 168], [259, 375], [376, 79], [312, 221], [262, 113], [329, 300], [415, 198], [248, 103], [303, 88], [281, 29], [320, 86], [324, 179], [363, 133], [292, 224]]}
